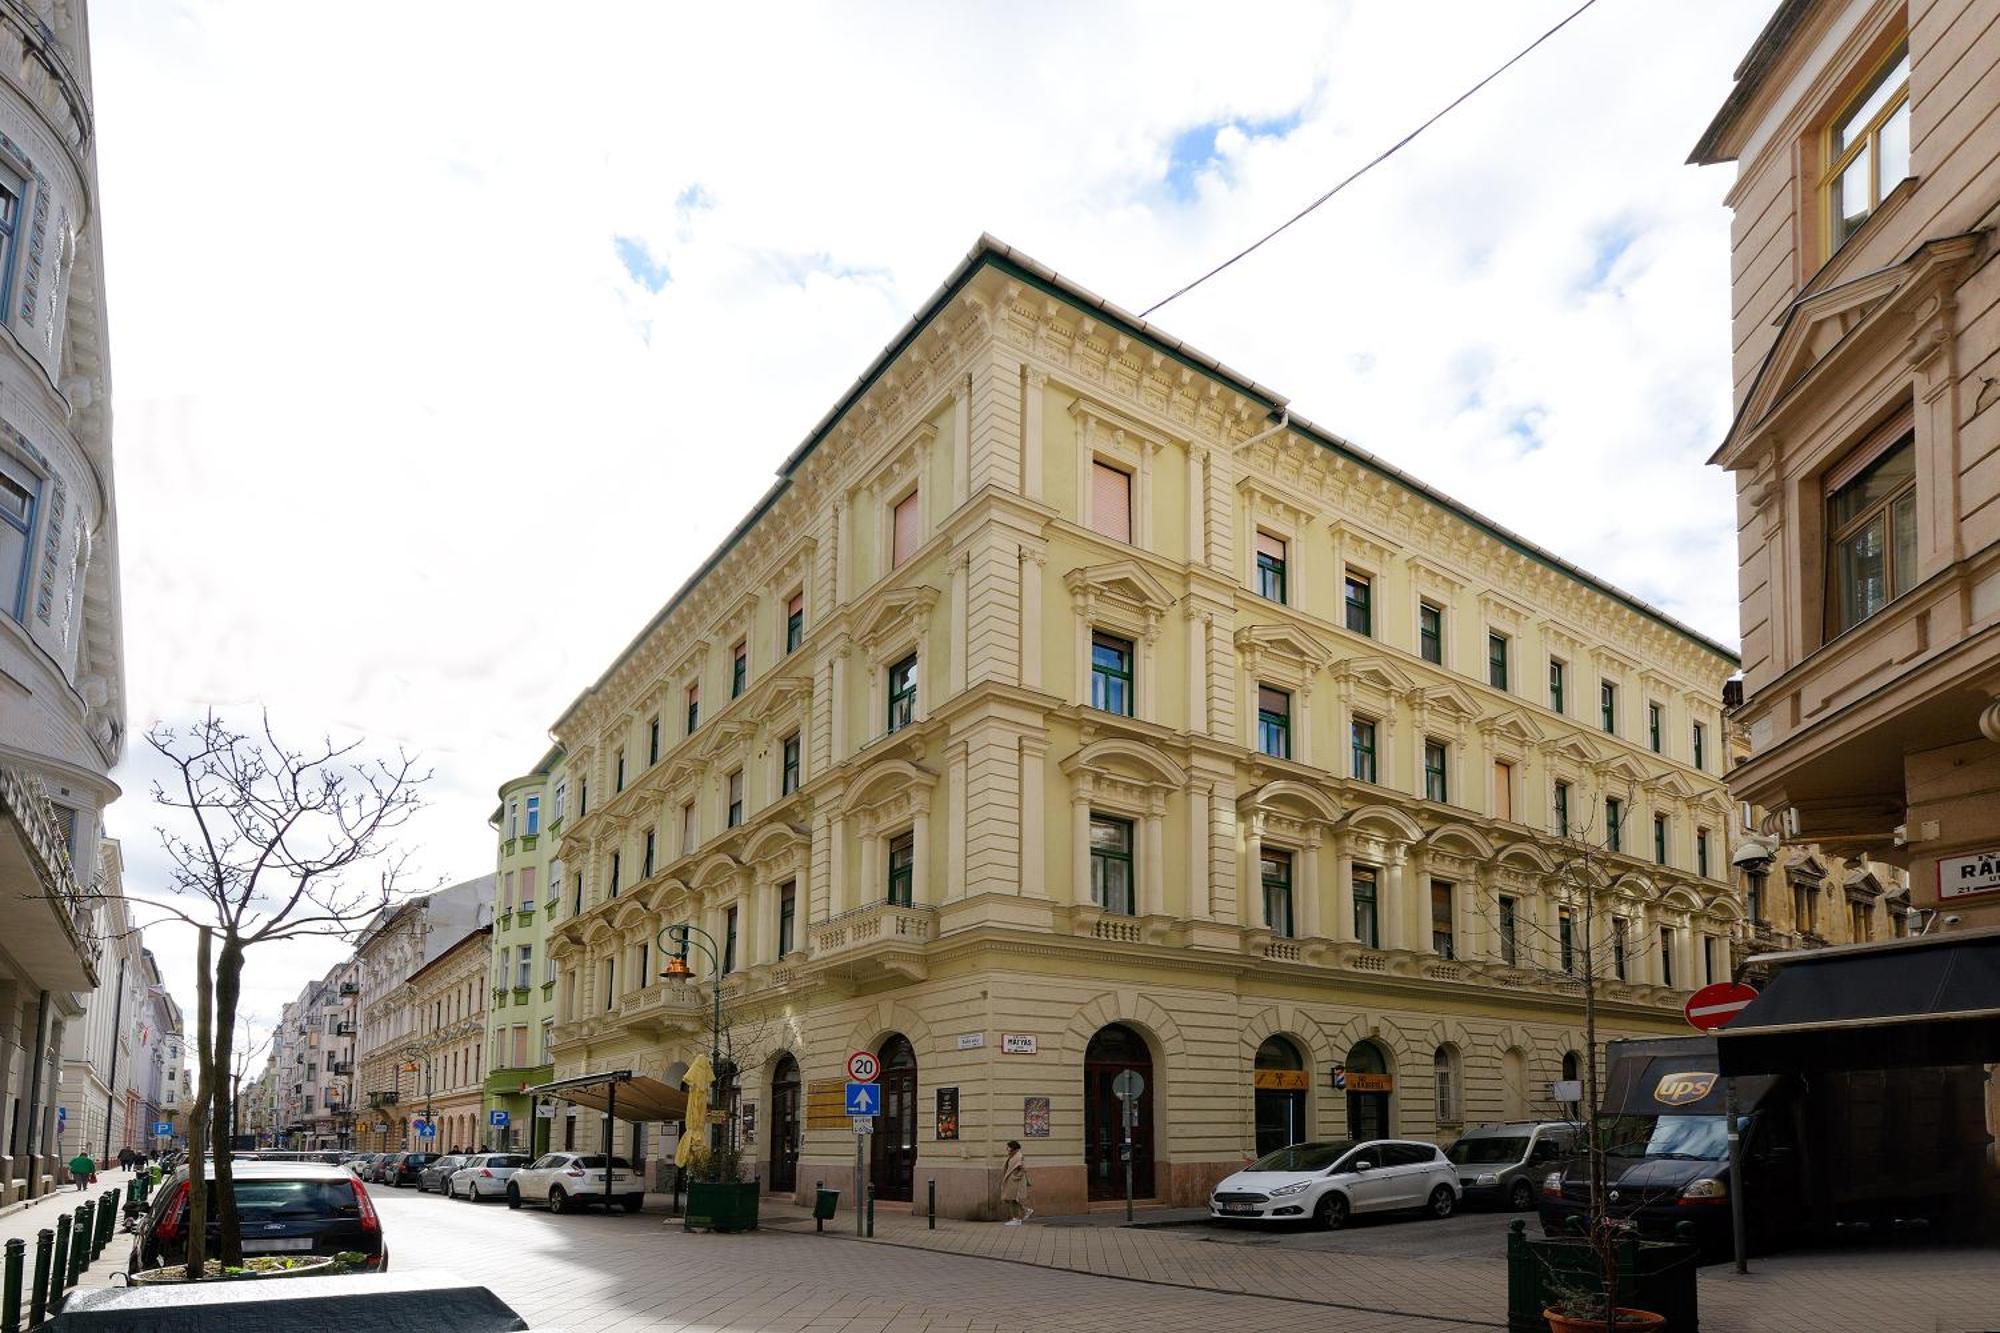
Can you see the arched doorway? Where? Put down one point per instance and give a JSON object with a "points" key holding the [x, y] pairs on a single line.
{"points": [[894, 1169], [785, 1126], [1115, 1049], [1280, 1080], [1369, 1083]]}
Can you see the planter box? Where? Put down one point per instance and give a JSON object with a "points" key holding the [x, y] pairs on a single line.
{"points": [[728, 1205], [1652, 1275]]}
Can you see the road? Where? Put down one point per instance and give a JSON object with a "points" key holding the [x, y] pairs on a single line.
{"points": [[1464, 1235], [592, 1272]]}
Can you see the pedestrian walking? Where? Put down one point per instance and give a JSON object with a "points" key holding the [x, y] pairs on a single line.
{"points": [[1014, 1185], [83, 1170]]}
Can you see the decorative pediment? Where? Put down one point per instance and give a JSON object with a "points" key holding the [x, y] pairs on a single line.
{"points": [[1288, 796], [1354, 542], [1577, 748], [1621, 769], [1128, 761], [1504, 611], [1429, 576], [787, 691], [1124, 582], [1445, 700], [1098, 425], [1674, 785], [887, 780], [715, 868], [1256, 642], [1374, 673], [1512, 725], [776, 840], [899, 613], [1806, 870], [726, 736]]}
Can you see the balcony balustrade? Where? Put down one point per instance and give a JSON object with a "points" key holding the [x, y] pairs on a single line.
{"points": [[882, 936]]}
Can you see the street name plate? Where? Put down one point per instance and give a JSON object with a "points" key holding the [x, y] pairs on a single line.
{"points": [[864, 1124]]}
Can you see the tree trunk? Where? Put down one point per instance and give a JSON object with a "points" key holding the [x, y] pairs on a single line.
{"points": [[228, 987], [197, 1243]]}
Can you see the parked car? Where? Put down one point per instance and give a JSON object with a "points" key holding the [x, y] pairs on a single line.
{"points": [[485, 1175], [285, 1207], [567, 1180], [1330, 1180], [437, 1172], [1504, 1164], [407, 1168], [360, 1162], [378, 1174]]}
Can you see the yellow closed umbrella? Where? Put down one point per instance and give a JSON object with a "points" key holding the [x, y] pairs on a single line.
{"points": [[700, 1077]]}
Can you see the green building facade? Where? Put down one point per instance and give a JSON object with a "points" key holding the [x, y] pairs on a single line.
{"points": [[527, 878]]}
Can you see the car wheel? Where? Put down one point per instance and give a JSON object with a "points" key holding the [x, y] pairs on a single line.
{"points": [[558, 1201], [1522, 1197], [513, 1197], [634, 1202], [1443, 1202], [1331, 1215]]}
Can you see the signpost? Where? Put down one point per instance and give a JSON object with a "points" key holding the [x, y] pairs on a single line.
{"points": [[864, 1099], [163, 1129], [497, 1119], [864, 1067], [1128, 1087], [1713, 1006]]}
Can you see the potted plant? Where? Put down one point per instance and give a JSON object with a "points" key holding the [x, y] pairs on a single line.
{"points": [[1581, 1310], [256, 1267], [719, 1198]]}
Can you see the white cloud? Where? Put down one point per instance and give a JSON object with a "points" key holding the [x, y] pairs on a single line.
{"points": [[404, 450]]}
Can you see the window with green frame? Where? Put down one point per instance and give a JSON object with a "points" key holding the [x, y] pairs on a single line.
{"points": [[1566, 939], [795, 622], [1277, 877], [1607, 706], [788, 773], [739, 668], [1562, 809], [1496, 661], [1558, 683], [653, 741], [1436, 787], [1360, 608], [1362, 743], [1659, 840], [1430, 633], [1700, 747], [902, 869], [1614, 823], [1111, 674], [1111, 885], [1655, 718], [1274, 722], [1270, 567], [1367, 907], [903, 693]]}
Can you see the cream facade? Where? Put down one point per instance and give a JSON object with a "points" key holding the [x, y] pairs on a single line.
{"points": [[444, 1069], [1070, 707], [1867, 352]]}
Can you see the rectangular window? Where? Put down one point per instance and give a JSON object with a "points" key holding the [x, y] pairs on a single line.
{"points": [[1367, 907], [652, 846], [1496, 661], [1111, 674], [1700, 747], [1867, 149], [1805, 908], [1607, 706], [653, 741], [528, 877], [19, 489], [1277, 877], [788, 917], [736, 799], [903, 693], [729, 940], [1666, 956], [1701, 852], [548, 1040], [902, 868], [1360, 608], [615, 860], [1435, 788], [906, 535], [1654, 721], [1503, 790], [1753, 895], [1430, 633], [1270, 567], [795, 622], [577, 908], [1562, 809], [1659, 840], [618, 775], [1362, 744], [562, 799], [1111, 502], [788, 770], [1442, 941], [1274, 722], [1858, 922], [524, 967], [1872, 537], [1111, 864], [1566, 939], [1708, 959], [513, 819], [534, 815], [1614, 823], [1558, 683], [1618, 928], [739, 668], [1509, 948], [693, 707], [520, 1042], [690, 836]]}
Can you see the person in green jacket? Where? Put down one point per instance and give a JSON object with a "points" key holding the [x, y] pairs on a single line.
{"points": [[82, 1169]]}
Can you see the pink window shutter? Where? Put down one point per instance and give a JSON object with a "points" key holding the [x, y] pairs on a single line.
{"points": [[1271, 546], [797, 604], [906, 530], [1111, 502]]}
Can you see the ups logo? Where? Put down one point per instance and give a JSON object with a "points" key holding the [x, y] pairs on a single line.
{"points": [[1680, 1089]]}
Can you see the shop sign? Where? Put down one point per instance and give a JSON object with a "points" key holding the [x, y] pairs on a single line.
{"points": [[826, 1103], [1353, 1080], [1970, 875], [1035, 1118], [947, 1114], [1281, 1080], [1017, 1043], [747, 1121]]}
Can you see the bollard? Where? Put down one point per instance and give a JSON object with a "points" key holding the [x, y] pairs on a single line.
{"points": [[871, 1210], [819, 1223], [38, 1295], [932, 1225], [80, 1239], [59, 1275], [10, 1294], [107, 1220]]}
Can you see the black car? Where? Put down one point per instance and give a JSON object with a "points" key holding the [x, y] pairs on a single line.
{"points": [[284, 1207], [408, 1169], [436, 1174]]}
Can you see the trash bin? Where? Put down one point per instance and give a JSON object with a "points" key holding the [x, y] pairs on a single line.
{"points": [[825, 1203]]}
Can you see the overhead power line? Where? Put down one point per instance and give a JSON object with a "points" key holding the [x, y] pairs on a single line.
{"points": [[1371, 164]]}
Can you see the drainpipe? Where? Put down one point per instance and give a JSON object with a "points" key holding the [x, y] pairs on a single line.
{"points": [[35, 1086], [1284, 424], [117, 1025]]}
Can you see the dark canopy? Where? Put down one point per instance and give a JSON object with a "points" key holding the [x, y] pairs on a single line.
{"points": [[629, 1096]]}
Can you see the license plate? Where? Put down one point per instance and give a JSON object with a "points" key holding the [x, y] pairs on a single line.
{"points": [[1239, 1207], [268, 1246]]}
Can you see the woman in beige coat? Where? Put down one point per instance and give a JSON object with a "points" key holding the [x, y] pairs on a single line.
{"points": [[1014, 1185]]}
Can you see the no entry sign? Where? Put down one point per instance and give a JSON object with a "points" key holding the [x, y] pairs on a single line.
{"points": [[1713, 1006]]}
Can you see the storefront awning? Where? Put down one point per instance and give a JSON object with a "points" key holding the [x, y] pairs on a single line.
{"points": [[1933, 1000], [629, 1096]]}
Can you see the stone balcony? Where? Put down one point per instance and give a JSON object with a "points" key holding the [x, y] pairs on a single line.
{"points": [[876, 939]]}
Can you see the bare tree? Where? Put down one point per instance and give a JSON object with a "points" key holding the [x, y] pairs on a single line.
{"points": [[267, 847]]}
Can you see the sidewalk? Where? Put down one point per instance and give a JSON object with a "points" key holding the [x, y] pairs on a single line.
{"points": [[38, 1215]]}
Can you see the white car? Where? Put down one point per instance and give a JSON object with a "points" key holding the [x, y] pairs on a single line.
{"points": [[1326, 1182], [569, 1180], [485, 1175]]}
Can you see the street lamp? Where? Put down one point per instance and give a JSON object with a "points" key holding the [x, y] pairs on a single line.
{"points": [[673, 942]]}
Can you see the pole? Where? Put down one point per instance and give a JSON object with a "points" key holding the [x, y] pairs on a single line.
{"points": [[1130, 1107], [932, 1225], [117, 1025], [38, 1145], [610, 1109], [871, 1210], [1739, 1240], [857, 1184]]}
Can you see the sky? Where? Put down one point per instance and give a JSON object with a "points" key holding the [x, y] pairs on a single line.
{"points": [[448, 338]]}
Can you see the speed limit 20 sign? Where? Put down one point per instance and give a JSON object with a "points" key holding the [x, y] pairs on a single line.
{"points": [[864, 1067]]}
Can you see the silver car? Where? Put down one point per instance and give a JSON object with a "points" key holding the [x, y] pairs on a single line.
{"points": [[1503, 1165], [485, 1176]]}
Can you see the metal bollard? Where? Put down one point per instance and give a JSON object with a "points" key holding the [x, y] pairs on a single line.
{"points": [[107, 1220], [79, 1244], [10, 1294], [932, 1225], [38, 1295], [818, 1223], [871, 1210], [59, 1275]]}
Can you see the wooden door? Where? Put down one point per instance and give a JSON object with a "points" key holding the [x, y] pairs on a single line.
{"points": [[894, 1169], [785, 1127]]}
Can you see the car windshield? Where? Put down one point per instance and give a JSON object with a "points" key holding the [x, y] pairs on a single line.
{"points": [[595, 1162], [290, 1200], [1488, 1150], [1303, 1157], [507, 1159], [1697, 1138]]}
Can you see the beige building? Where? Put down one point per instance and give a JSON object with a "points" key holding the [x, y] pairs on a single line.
{"points": [[1866, 443], [1067, 708], [443, 1061]]}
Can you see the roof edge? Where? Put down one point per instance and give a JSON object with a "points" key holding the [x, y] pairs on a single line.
{"points": [[1749, 75]]}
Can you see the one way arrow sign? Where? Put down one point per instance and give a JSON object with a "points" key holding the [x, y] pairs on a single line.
{"points": [[863, 1099]]}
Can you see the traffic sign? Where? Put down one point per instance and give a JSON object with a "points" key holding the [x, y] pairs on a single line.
{"points": [[497, 1119], [864, 1124], [1713, 1006], [422, 1128], [62, 1119], [163, 1129], [1128, 1085], [863, 1099], [864, 1067]]}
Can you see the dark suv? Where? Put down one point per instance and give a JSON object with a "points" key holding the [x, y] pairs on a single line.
{"points": [[408, 1169], [285, 1208]]}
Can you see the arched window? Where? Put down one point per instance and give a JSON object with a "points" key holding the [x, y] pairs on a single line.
{"points": [[1445, 1066], [1572, 1073]]}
